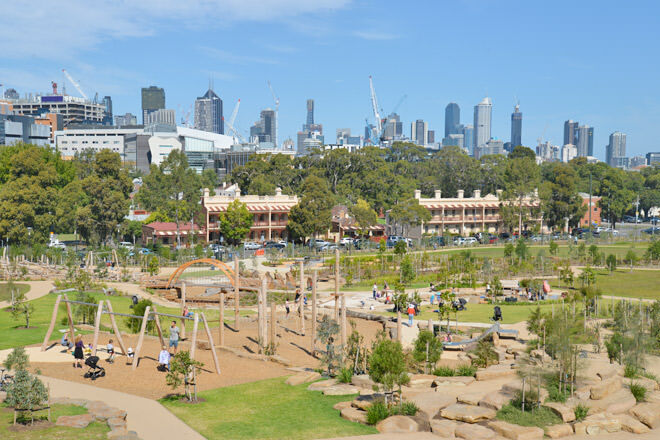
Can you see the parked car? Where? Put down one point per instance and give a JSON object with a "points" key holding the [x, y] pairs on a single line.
{"points": [[328, 247], [652, 230], [470, 241], [56, 245], [126, 244], [316, 243], [393, 239], [251, 246], [631, 219], [274, 245], [346, 241], [492, 239]]}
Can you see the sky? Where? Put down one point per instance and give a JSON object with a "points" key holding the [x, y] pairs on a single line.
{"points": [[596, 62]]}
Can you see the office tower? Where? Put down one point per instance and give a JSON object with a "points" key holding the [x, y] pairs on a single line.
{"points": [[126, 119], [516, 127], [584, 139], [568, 153], [652, 157], [452, 119], [310, 112], [208, 113], [590, 144], [419, 132], [570, 132], [153, 98], [482, 123], [456, 140], [264, 129], [616, 148], [468, 139], [310, 130], [430, 137], [637, 161], [493, 146], [107, 114], [161, 117], [393, 128]]}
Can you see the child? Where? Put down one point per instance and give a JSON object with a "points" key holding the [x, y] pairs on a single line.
{"points": [[164, 359], [78, 352], [286, 306], [111, 351], [130, 353]]}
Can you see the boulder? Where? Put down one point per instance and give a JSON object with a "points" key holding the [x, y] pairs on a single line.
{"points": [[597, 424], [631, 424], [607, 372], [122, 435], [605, 388], [649, 384], [364, 402], [108, 412], [648, 413], [443, 427], [516, 432], [471, 398], [203, 345], [421, 380], [117, 423], [562, 410], [303, 377], [354, 415], [495, 400], [430, 403], [653, 397], [467, 413], [341, 389], [559, 431], [453, 380], [474, 432], [79, 421], [495, 372], [399, 424], [341, 405], [618, 402], [321, 385], [362, 380]]}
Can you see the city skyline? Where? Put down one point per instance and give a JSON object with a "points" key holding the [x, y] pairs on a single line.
{"points": [[119, 61]]}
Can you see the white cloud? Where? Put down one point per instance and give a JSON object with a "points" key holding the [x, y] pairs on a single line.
{"points": [[55, 30], [375, 35]]}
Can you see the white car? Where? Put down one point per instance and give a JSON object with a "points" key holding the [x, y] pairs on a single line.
{"points": [[470, 240], [56, 245], [346, 241], [251, 246], [126, 244]]}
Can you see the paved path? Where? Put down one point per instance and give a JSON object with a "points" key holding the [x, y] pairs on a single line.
{"points": [[37, 290], [145, 416]]}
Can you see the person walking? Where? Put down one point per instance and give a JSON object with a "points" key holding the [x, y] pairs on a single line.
{"points": [[374, 291], [411, 314], [78, 352], [286, 306], [174, 336]]}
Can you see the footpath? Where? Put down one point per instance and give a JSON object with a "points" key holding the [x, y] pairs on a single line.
{"points": [[148, 418], [37, 290]]}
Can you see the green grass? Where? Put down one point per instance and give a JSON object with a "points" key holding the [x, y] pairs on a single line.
{"points": [[95, 430], [511, 314], [539, 417], [622, 282], [267, 409], [5, 293]]}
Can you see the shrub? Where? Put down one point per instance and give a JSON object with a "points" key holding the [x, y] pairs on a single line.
{"points": [[466, 370], [427, 350], [485, 353], [182, 368], [580, 412], [387, 365], [376, 412], [134, 324], [639, 391], [345, 375], [406, 409], [444, 371], [540, 417], [555, 394], [17, 360], [27, 392], [630, 371]]}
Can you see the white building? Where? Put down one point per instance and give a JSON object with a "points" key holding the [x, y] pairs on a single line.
{"points": [[71, 142], [482, 122], [568, 153]]}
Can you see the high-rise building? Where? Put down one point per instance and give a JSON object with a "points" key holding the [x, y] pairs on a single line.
{"points": [[568, 153], [153, 98], [18, 128], [457, 140], [570, 132], [264, 129], [616, 148], [393, 128], [585, 141], [310, 130], [430, 137], [161, 116], [637, 161], [208, 113], [516, 127], [652, 157], [493, 146], [452, 119], [468, 138], [419, 132], [126, 119], [482, 123], [310, 113], [107, 114]]}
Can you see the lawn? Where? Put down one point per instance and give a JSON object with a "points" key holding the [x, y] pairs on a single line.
{"points": [[95, 430], [267, 409], [5, 293], [511, 314], [622, 282]]}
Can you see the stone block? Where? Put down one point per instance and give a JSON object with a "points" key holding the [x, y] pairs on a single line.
{"points": [[452, 380], [117, 423], [605, 388], [321, 385], [399, 425], [354, 415], [443, 427], [303, 377], [562, 410], [597, 424], [108, 412], [516, 432], [631, 424], [467, 413], [363, 381], [364, 402], [430, 402], [79, 421], [471, 398], [495, 372], [421, 380], [495, 400], [341, 405], [474, 432], [618, 402], [341, 389], [559, 431], [648, 413]]}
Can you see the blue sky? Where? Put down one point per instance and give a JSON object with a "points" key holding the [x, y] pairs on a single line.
{"points": [[592, 61]]}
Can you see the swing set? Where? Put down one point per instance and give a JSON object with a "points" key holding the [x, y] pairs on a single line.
{"points": [[150, 313]]}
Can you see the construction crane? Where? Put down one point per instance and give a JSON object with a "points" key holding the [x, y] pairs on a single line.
{"points": [[378, 129], [75, 84], [277, 108], [387, 119], [230, 123]]}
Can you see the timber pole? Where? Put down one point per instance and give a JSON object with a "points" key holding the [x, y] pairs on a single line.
{"points": [[237, 289], [314, 311], [221, 327]]}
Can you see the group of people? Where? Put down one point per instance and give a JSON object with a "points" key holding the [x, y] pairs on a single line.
{"points": [[165, 355], [378, 294]]}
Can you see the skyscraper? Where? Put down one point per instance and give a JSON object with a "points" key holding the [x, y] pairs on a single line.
{"points": [[570, 132], [452, 119], [590, 143], [153, 98], [419, 132], [208, 113], [310, 112], [482, 123], [468, 139], [516, 127], [107, 114], [393, 128], [264, 129], [310, 130], [584, 141], [616, 148]]}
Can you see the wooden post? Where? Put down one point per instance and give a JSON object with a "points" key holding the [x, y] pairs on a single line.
{"points": [[314, 278], [343, 328], [72, 331], [221, 327], [261, 318], [115, 328], [399, 328], [237, 283], [273, 321], [193, 345], [158, 326], [97, 326], [138, 348], [53, 319], [211, 343], [431, 326], [301, 306], [336, 284], [183, 305]]}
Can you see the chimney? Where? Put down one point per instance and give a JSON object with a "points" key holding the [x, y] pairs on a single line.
{"points": [[278, 191], [498, 192], [438, 194], [477, 194], [461, 193], [237, 194], [418, 194], [206, 192]]}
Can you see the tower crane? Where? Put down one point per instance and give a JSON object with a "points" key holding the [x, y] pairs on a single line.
{"points": [[277, 108], [75, 84], [230, 123], [378, 129]]}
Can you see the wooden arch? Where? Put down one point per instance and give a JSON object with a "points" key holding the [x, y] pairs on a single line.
{"points": [[217, 263]]}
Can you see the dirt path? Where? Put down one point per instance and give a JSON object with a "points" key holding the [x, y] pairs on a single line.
{"points": [[136, 289], [145, 416], [37, 290]]}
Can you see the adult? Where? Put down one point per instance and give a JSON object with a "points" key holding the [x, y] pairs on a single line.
{"points": [[174, 336], [411, 314], [78, 352], [374, 291]]}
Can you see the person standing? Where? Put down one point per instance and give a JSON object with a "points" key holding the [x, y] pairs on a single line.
{"points": [[174, 336], [411, 314], [374, 290], [78, 352], [286, 306]]}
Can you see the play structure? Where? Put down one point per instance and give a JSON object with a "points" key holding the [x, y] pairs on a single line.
{"points": [[495, 328], [150, 313]]}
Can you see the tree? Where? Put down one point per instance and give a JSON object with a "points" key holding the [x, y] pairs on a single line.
{"points": [[427, 350], [553, 247], [407, 272], [409, 213], [653, 251], [560, 200], [610, 261], [134, 324], [566, 274], [521, 176], [154, 266], [21, 308], [26, 393], [521, 152], [236, 222], [400, 247], [631, 258], [312, 214], [615, 198], [485, 353], [327, 331], [184, 370], [365, 217], [522, 251], [17, 360], [387, 365]]}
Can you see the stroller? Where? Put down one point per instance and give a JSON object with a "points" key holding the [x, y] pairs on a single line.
{"points": [[95, 371], [497, 314], [459, 305]]}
